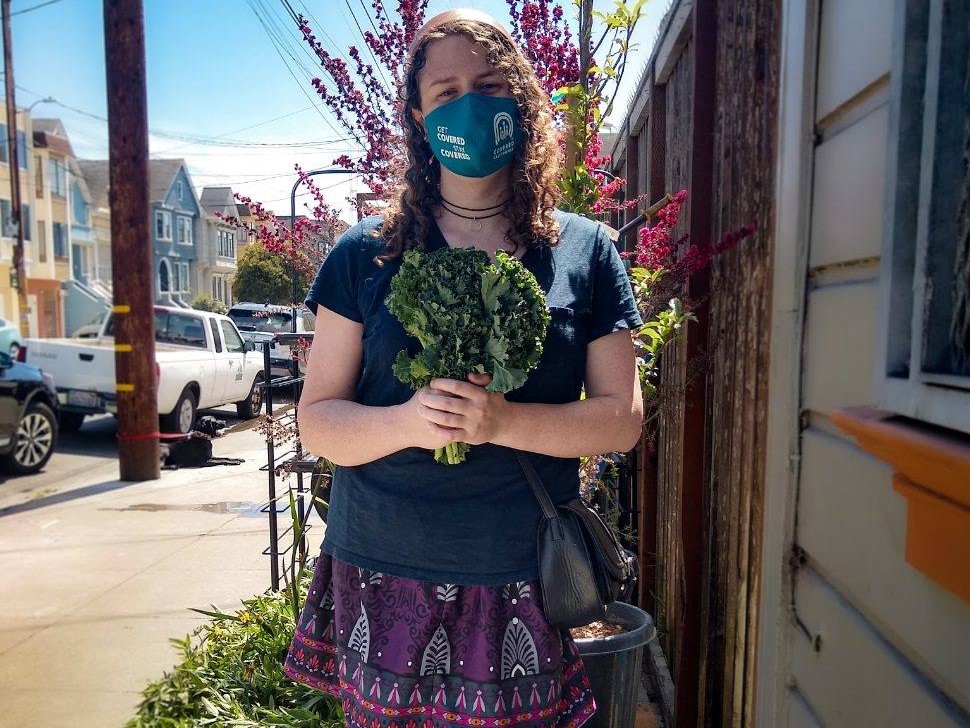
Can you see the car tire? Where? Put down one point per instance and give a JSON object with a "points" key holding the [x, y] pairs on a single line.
{"points": [[249, 408], [34, 441], [181, 419], [70, 421]]}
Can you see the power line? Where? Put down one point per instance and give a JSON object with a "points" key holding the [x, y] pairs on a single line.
{"points": [[35, 7], [277, 46], [219, 140]]}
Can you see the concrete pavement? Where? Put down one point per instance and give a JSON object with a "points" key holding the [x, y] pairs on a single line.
{"points": [[96, 577]]}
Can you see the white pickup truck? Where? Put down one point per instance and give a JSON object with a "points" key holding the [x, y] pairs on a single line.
{"points": [[201, 362]]}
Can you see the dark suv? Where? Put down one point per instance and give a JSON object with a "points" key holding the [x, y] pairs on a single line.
{"points": [[28, 417]]}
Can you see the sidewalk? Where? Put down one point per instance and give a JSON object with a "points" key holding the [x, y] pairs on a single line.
{"points": [[99, 576]]}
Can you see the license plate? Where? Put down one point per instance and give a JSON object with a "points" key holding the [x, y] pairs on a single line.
{"points": [[84, 399]]}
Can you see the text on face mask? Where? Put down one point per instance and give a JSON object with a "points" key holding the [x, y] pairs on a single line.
{"points": [[444, 136]]}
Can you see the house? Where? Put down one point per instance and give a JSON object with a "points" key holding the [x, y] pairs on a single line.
{"points": [[217, 253], [804, 518], [70, 294], [24, 158], [176, 228], [95, 174]]}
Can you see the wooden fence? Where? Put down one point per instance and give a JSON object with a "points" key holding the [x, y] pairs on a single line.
{"points": [[704, 119]]}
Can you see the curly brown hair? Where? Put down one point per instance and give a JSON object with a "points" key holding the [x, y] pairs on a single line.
{"points": [[535, 167]]}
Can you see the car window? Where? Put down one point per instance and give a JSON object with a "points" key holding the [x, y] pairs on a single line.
{"points": [[179, 328], [275, 321], [233, 342], [214, 327]]}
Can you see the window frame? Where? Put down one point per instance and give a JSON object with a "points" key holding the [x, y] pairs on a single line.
{"points": [[900, 384], [64, 240], [183, 223], [216, 336], [57, 177], [166, 217], [39, 177]]}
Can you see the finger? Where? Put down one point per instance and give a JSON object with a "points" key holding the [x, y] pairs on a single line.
{"points": [[453, 434], [458, 388], [444, 402], [447, 419], [481, 380]]}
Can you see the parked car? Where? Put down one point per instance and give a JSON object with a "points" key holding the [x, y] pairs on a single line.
{"points": [[201, 360], [28, 416], [9, 338], [260, 322]]}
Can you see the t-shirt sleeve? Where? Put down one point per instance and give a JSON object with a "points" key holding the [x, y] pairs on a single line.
{"points": [[613, 306], [335, 285]]}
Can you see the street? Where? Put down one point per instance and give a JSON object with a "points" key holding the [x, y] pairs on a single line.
{"points": [[78, 456], [99, 574]]}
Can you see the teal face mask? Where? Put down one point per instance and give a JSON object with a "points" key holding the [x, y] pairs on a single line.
{"points": [[475, 135]]}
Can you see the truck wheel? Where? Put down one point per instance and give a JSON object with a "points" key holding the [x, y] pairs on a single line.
{"points": [[248, 408], [181, 419], [70, 421], [34, 440]]}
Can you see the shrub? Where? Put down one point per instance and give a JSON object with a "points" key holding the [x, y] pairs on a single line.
{"points": [[202, 302], [231, 673]]}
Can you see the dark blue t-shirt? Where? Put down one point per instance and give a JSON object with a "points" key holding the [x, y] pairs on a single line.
{"points": [[473, 523]]}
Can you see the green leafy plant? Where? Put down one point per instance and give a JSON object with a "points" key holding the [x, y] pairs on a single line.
{"points": [[231, 674], [469, 316]]}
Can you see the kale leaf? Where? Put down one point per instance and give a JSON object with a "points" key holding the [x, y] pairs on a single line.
{"points": [[468, 315]]}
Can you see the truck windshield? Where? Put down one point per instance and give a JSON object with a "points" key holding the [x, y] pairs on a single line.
{"points": [[270, 322]]}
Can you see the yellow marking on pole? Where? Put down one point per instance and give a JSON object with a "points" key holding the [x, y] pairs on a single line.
{"points": [[126, 387], [121, 308], [123, 347]]}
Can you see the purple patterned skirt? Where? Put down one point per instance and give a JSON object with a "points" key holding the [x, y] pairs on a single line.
{"points": [[401, 653]]}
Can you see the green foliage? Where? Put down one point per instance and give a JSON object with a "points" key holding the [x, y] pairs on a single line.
{"points": [[587, 102], [265, 277], [470, 316], [231, 674], [658, 331], [203, 302]]}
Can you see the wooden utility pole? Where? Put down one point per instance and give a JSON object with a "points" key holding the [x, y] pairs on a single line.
{"points": [[131, 252], [18, 274]]}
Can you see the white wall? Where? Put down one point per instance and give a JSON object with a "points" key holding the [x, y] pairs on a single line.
{"points": [[853, 636]]}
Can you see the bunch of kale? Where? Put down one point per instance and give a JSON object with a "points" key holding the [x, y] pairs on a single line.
{"points": [[469, 315]]}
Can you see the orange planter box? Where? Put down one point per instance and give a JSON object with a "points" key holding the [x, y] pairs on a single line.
{"points": [[932, 472]]}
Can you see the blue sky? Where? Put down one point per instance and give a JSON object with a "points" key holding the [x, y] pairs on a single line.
{"points": [[213, 71]]}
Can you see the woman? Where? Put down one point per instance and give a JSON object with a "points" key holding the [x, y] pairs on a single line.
{"points": [[425, 609]]}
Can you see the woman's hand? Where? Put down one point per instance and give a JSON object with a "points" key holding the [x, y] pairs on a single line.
{"points": [[463, 411], [420, 431]]}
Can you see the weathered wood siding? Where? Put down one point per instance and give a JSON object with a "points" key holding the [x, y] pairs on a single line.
{"points": [[743, 193], [670, 443]]}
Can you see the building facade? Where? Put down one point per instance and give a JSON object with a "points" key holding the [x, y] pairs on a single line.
{"points": [[67, 248], [176, 231], [217, 255]]}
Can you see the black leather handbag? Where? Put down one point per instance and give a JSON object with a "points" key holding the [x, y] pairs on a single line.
{"points": [[582, 565]]}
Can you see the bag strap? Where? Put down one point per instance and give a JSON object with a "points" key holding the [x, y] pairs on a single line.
{"points": [[542, 495]]}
